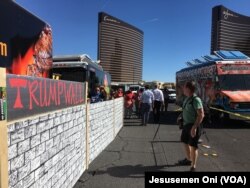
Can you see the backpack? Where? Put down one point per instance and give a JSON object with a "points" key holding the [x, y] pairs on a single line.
{"points": [[202, 131]]}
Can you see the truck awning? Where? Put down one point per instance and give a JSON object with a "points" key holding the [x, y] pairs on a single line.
{"points": [[238, 96]]}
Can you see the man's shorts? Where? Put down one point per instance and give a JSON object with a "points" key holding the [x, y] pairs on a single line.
{"points": [[187, 138]]}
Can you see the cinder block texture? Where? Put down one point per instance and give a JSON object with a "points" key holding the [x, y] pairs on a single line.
{"points": [[43, 149], [50, 150]]}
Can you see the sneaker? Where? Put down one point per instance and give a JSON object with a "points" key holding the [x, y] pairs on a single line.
{"points": [[184, 162], [192, 169]]}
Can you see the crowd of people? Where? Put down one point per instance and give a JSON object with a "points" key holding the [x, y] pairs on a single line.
{"points": [[98, 95], [140, 102], [145, 100]]}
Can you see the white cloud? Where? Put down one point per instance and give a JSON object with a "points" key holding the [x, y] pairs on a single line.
{"points": [[151, 20]]}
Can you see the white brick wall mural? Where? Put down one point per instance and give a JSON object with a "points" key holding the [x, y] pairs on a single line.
{"points": [[101, 130], [50, 150]]}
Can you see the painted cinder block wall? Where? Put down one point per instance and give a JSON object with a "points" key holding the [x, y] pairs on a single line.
{"points": [[102, 131], [54, 149]]}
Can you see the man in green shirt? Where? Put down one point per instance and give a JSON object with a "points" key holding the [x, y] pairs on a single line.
{"points": [[193, 115]]}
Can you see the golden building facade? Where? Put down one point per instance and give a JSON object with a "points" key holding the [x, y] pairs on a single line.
{"points": [[120, 49]]}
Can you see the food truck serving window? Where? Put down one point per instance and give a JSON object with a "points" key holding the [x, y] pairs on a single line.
{"points": [[234, 82], [77, 74]]}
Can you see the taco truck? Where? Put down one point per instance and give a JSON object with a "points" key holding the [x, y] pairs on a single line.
{"points": [[222, 82]]}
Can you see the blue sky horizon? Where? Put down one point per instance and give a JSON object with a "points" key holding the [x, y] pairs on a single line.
{"points": [[175, 31]]}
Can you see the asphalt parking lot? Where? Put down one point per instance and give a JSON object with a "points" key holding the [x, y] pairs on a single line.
{"points": [[156, 147]]}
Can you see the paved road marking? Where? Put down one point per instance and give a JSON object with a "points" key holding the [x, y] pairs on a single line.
{"points": [[209, 152], [206, 146]]}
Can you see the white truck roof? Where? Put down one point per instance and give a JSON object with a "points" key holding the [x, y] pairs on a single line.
{"points": [[81, 57]]}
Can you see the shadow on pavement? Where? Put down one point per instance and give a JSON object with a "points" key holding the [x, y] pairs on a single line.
{"points": [[169, 118], [130, 171], [229, 124], [166, 118], [133, 121], [170, 141]]}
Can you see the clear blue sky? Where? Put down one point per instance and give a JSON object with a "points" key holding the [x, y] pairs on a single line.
{"points": [[175, 31]]}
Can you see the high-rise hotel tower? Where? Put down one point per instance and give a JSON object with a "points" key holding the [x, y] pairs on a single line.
{"points": [[230, 30], [120, 49]]}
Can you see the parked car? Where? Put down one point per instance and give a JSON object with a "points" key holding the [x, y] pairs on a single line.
{"points": [[172, 95], [135, 88]]}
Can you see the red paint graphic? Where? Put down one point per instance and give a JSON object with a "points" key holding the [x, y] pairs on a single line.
{"points": [[46, 93], [18, 83]]}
